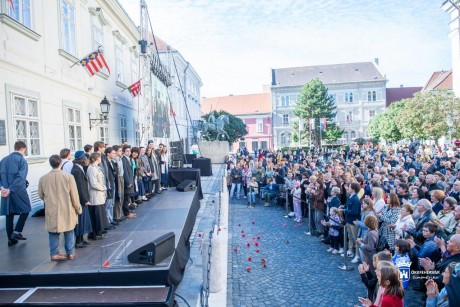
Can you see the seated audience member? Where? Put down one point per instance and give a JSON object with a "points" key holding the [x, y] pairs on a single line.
{"points": [[270, 191], [436, 199]]}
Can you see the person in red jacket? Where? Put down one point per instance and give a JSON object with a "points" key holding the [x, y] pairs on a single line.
{"points": [[393, 293]]}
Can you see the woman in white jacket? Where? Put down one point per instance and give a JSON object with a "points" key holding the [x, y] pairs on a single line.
{"points": [[97, 195], [446, 216], [405, 219]]}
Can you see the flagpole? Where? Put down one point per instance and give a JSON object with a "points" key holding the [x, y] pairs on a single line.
{"points": [[131, 84], [320, 134]]}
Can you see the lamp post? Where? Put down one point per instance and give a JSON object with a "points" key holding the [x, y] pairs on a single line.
{"points": [[105, 109]]}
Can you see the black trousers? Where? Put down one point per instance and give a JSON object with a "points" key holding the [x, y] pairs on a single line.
{"points": [[19, 225], [125, 206]]}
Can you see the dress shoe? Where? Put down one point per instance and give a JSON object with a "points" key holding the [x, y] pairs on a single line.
{"points": [[70, 256], [104, 232], [58, 257], [114, 223], [80, 245], [111, 227], [17, 236], [12, 242], [138, 201], [86, 243], [95, 237]]}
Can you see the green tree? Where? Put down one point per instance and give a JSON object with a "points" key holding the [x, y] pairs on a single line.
{"points": [[385, 125], [315, 103], [332, 133], [236, 128], [430, 115]]}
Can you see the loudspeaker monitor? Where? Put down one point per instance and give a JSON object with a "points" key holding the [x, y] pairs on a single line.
{"points": [[186, 185], [154, 252]]}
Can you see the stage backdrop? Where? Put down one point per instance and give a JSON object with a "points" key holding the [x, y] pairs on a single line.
{"points": [[160, 109]]}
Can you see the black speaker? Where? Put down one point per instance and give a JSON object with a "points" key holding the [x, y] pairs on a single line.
{"points": [[175, 144], [175, 150], [155, 251], [186, 185], [177, 157]]}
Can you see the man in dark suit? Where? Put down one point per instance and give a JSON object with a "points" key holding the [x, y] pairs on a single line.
{"points": [[352, 213], [15, 200], [128, 180], [156, 159]]}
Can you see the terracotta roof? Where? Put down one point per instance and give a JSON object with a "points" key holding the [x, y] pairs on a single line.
{"points": [[399, 93], [439, 80], [161, 44], [238, 105], [328, 74]]}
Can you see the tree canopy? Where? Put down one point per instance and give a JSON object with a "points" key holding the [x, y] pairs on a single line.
{"points": [[429, 115], [315, 103], [236, 128]]}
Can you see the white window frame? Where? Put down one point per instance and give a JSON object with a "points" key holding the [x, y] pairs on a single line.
{"points": [[260, 125], [371, 113], [285, 119], [20, 8], [119, 63], [98, 36], [241, 144], [74, 121], [68, 40], [28, 118], [254, 148], [103, 134], [123, 125], [369, 96]]}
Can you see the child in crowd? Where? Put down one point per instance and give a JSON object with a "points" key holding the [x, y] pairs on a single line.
{"points": [[296, 192], [402, 255], [333, 223]]}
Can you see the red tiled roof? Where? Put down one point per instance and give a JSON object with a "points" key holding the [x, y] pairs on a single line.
{"points": [[439, 80], [238, 105], [161, 44], [399, 93]]}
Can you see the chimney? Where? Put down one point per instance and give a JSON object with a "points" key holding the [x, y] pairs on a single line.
{"points": [[273, 77], [376, 60]]}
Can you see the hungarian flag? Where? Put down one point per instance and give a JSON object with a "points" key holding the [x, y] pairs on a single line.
{"points": [[312, 123], [12, 5], [94, 62], [135, 89], [323, 123], [171, 111]]}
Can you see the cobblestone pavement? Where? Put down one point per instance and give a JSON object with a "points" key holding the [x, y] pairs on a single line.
{"points": [[299, 271]]}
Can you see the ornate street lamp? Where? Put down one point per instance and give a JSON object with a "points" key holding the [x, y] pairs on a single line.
{"points": [[105, 109]]}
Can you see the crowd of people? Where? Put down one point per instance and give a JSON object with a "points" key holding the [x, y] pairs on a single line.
{"points": [[392, 211], [86, 194]]}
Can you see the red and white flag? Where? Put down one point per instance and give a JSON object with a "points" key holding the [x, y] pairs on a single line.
{"points": [[135, 89], [312, 123], [171, 111], [12, 4], [94, 62], [323, 123]]}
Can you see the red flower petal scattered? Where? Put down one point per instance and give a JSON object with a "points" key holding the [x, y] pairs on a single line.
{"points": [[243, 235], [199, 235], [258, 250], [248, 245], [263, 260], [242, 231], [235, 250], [249, 259], [248, 269], [257, 243], [265, 266], [258, 237]]}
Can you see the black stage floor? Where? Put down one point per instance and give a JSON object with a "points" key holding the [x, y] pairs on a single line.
{"points": [[105, 263]]}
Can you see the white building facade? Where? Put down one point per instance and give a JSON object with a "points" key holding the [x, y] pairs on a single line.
{"points": [[357, 88], [184, 93], [452, 7], [46, 100]]}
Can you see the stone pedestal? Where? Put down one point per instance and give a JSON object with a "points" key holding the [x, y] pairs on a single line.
{"points": [[214, 150]]}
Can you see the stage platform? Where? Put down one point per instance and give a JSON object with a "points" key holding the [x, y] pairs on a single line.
{"points": [[105, 263]]}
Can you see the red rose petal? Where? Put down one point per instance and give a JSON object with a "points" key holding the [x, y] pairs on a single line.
{"points": [[265, 265], [248, 269], [243, 235], [249, 259], [258, 250], [257, 244], [248, 245], [235, 250]]}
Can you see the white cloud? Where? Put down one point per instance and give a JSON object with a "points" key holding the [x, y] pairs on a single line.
{"points": [[233, 44]]}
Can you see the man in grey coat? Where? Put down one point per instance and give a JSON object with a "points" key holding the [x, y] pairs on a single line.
{"points": [[15, 200]]}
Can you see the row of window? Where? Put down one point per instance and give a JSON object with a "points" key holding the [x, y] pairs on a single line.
{"points": [[26, 123], [255, 145], [349, 117], [23, 14], [286, 101]]}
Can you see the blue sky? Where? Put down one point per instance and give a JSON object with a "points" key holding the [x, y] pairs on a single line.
{"points": [[234, 44]]}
